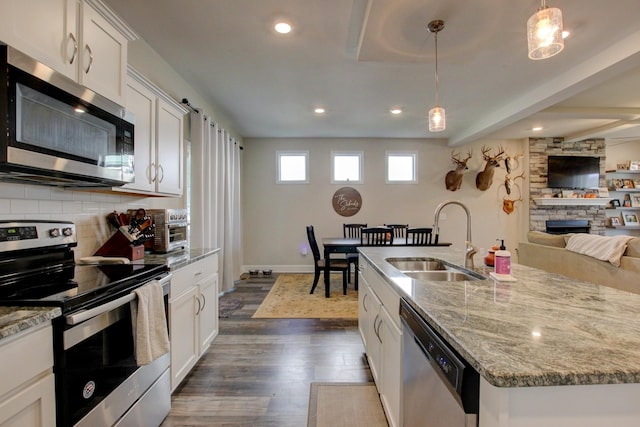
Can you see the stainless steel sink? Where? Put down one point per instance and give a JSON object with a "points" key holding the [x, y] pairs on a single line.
{"points": [[417, 264], [433, 269], [441, 276]]}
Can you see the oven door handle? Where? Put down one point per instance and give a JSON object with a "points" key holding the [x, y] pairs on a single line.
{"points": [[83, 315]]}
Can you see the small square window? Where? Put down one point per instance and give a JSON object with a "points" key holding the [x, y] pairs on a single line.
{"points": [[346, 167], [293, 167], [402, 168]]}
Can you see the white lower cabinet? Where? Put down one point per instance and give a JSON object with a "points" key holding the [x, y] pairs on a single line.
{"points": [[379, 325], [193, 315], [27, 390]]}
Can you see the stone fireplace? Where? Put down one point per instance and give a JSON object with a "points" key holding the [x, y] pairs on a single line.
{"points": [[539, 150]]}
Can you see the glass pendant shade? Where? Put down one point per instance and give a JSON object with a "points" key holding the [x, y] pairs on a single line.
{"points": [[437, 120], [544, 33]]}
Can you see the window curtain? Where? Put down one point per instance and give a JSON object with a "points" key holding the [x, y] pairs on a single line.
{"points": [[215, 195], [229, 217]]}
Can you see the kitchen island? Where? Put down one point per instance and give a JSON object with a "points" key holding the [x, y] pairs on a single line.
{"points": [[550, 350]]}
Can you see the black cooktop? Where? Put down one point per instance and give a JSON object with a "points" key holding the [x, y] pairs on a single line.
{"points": [[73, 287]]}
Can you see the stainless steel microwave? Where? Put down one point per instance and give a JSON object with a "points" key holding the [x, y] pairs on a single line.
{"points": [[56, 131]]}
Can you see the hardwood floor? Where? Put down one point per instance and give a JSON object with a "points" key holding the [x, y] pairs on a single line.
{"points": [[258, 371]]}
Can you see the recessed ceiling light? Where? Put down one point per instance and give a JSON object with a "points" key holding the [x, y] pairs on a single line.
{"points": [[319, 110], [283, 27], [396, 111], [537, 128]]}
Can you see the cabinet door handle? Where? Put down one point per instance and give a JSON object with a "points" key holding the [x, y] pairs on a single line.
{"points": [[199, 306], [162, 171], [364, 302], [155, 174], [197, 273], [75, 48], [204, 302], [90, 59]]}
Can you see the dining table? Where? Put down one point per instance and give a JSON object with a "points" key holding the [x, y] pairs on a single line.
{"points": [[347, 245]]}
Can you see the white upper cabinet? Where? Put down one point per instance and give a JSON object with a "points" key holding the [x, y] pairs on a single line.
{"points": [[80, 39], [159, 139]]}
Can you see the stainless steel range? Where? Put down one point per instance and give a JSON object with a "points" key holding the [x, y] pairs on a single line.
{"points": [[98, 382]]}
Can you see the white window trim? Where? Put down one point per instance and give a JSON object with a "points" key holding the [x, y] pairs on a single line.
{"points": [[413, 154], [279, 154], [360, 155]]}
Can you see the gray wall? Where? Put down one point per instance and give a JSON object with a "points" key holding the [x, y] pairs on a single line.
{"points": [[275, 215]]}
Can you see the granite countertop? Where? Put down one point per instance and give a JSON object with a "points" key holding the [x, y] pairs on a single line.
{"points": [[17, 319], [543, 329], [178, 259]]}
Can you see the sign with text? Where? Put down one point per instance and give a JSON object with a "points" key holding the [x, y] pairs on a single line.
{"points": [[347, 201]]}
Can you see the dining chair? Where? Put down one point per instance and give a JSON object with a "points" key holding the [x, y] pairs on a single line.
{"points": [[376, 236], [353, 231], [419, 236], [398, 229], [319, 262]]}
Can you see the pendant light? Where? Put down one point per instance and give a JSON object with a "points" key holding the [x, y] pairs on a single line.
{"points": [[437, 119], [544, 32]]}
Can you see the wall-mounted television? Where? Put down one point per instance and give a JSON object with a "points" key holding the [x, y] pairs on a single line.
{"points": [[573, 172]]}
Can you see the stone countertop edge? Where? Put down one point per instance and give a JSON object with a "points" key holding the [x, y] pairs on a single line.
{"points": [[14, 320], [542, 330], [176, 260]]}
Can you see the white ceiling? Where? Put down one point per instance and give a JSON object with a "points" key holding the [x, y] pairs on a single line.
{"points": [[359, 58]]}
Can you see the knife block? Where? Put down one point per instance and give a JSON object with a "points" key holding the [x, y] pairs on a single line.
{"points": [[119, 245]]}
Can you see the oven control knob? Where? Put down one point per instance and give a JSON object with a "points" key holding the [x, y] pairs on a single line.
{"points": [[67, 231], [54, 232]]}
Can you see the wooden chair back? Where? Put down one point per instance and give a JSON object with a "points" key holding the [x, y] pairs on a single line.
{"points": [[376, 236], [398, 229], [352, 230], [419, 236], [313, 243]]}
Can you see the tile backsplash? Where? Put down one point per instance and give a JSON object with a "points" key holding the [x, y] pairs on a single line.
{"points": [[86, 209]]}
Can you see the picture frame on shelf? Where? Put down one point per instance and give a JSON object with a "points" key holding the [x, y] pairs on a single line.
{"points": [[630, 218], [627, 183], [615, 221], [616, 184], [636, 183], [635, 201], [615, 203], [603, 192], [634, 165], [627, 201], [623, 166]]}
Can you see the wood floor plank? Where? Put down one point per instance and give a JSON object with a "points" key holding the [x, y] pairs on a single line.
{"points": [[258, 372]]}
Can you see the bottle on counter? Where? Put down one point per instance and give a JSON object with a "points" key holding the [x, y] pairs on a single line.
{"points": [[503, 260], [489, 259]]}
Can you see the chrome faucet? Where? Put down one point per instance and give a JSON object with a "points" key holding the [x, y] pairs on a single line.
{"points": [[469, 250]]}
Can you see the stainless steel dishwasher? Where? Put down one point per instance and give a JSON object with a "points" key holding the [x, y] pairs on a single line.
{"points": [[440, 389]]}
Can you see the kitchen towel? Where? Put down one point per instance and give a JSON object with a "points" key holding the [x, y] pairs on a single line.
{"points": [[150, 334]]}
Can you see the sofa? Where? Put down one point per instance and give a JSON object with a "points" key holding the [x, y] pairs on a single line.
{"points": [[549, 252]]}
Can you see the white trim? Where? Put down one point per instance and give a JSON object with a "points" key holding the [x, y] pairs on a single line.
{"points": [[413, 154], [359, 154], [292, 153]]}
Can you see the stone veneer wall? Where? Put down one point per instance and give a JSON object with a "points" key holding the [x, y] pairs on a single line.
{"points": [[539, 150]]}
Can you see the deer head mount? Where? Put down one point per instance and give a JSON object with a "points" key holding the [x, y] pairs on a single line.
{"points": [[453, 180], [508, 205], [509, 182], [484, 179], [512, 162]]}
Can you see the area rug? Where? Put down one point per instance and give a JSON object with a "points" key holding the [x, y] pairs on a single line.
{"points": [[226, 307], [345, 404], [289, 298]]}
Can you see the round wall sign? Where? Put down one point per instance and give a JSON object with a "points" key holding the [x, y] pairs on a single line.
{"points": [[347, 201]]}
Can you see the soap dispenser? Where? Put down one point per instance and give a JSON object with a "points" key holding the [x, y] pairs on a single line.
{"points": [[503, 260]]}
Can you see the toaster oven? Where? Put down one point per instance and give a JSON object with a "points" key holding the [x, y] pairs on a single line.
{"points": [[171, 229]]}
